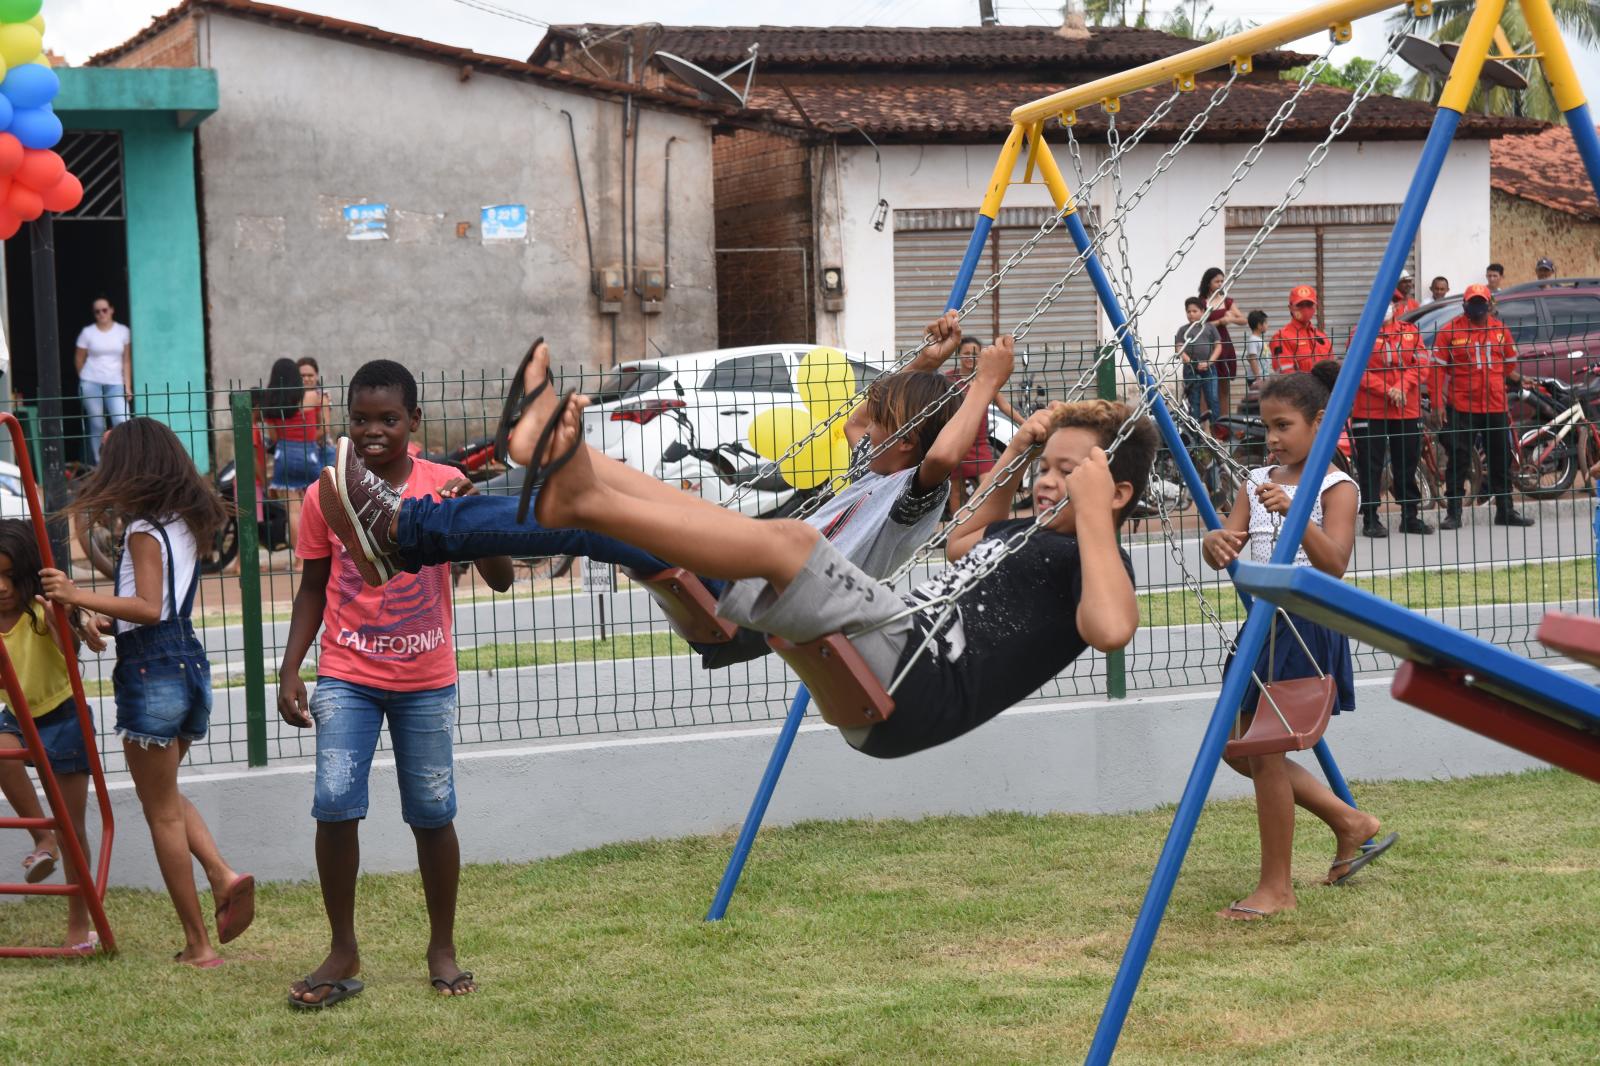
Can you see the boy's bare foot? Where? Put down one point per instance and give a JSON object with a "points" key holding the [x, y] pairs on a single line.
{"points": [[524, 435], [361, 508], [337, 968], [446, 976], [1258, 905], [1362, 828]]}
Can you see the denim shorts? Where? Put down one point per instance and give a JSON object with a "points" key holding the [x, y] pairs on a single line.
{"points": [[162, 683], [296, 464], [63, 740], [421, 728]]}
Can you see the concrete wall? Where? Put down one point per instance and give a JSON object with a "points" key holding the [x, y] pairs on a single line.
{"points": [[309, 124], [1455, 228], [764, 202], [538, 800], [1523, 231]]}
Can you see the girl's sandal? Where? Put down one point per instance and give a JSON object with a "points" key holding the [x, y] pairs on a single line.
{"points": [[537, 475], [517, 402], [39, 864]]}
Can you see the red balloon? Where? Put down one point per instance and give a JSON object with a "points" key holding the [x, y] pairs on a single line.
{"points": [[9, 224], [28, 204], [40, 169], [11, 152], [64, 195]]}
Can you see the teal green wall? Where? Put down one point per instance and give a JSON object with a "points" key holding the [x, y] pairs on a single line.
{"points": [[166, 311]]}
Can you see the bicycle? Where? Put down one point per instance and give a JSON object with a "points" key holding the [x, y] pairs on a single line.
{"points": [[1547, 458]]}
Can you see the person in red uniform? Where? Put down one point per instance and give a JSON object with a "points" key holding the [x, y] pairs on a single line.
{"points": [[1299, 345], [1405, 291], [1479, 358], [1385, 423]]}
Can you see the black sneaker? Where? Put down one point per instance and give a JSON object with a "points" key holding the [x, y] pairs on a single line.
{"points": [[1371, 527], [359, 506], [1451, 521], [1413, 524], [1510, 516]]}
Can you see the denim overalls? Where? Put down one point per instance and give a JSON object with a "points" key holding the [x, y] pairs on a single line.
{"points": [[162, 680]]}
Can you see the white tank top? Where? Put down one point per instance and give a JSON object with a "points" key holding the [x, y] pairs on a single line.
{"points": [[1264, 524]]}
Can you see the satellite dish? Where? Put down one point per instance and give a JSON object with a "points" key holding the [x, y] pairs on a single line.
{"points": [[712, 86], [1426, 56], [1494, 71]]}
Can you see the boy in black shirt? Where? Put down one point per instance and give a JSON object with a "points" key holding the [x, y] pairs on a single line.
{"points": [[1070, 586]]}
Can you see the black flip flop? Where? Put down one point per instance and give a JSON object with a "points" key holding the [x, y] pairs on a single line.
{"points": [[537, 475], [517, 402], [450, 986], [1368, 853], [341, 991]]}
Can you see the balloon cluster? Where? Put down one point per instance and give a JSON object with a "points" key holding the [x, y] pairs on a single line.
{"points": [[33, 179], [826, 383]]}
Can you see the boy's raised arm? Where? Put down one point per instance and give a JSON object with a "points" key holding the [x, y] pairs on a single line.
{"points": [[996, 505], [1108, 612], [946, 333], [955, 439]]}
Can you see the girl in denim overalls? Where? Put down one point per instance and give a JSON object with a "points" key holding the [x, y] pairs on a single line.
{"points": [[162, 680]]}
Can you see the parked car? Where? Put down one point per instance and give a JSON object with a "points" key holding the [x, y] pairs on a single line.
{"points": [[704, 403]]}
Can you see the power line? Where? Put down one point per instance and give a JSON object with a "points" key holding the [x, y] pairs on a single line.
{"points": [[505, 13]]}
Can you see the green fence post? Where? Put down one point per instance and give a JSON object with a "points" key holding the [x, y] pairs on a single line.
{"points": [[255, 681], [1116, 661]]}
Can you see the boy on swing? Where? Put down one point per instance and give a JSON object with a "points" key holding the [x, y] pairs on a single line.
{"points": [[1067, 588], [892, 505]]}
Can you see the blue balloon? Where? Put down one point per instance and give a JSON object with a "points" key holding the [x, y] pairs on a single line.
{"points": [[6, 112], [30, 85], [36, 127]]}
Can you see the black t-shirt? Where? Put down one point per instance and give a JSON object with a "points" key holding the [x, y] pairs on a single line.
{"points": [[1010, 633]]}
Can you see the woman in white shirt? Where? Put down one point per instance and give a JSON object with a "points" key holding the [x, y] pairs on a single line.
{"points": [[105, 372]]}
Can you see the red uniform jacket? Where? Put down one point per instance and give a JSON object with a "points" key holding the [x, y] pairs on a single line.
{"points": [[1298, 346], [1476, 360], [1399, 360]]}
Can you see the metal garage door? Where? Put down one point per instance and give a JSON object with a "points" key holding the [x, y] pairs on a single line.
{"points": [[1337, 249], [928, 246]]}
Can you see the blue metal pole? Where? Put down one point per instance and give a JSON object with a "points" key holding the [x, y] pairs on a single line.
{"points": [[758, 806], [1260, 618], [1581, 123], [797, 709]]}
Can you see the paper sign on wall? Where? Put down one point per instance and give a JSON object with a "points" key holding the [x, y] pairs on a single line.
{"points": [[504, 222], [366, 222]]}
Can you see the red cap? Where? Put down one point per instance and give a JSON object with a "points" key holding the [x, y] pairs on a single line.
{"points": [[1303, 293], [1477, 292]]}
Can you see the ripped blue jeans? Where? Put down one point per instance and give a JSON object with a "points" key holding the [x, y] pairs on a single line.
{"points": [[421, 725]]}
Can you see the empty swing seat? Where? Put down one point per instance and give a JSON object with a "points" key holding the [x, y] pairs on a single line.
{"points": [[1576, 636], [688, 605], [1306, 704], [847, 693]]}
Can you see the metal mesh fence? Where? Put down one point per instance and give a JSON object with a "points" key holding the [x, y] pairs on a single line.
{"points": [[555, 657]]}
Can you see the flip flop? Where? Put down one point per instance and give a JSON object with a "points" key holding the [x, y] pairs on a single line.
{"points": [[1355, 863], [209, 964], [1255, 915], [450, 986], [90, 946], [238, 909], [537, 475], [517, 403], [39, 864], [341, 991]]}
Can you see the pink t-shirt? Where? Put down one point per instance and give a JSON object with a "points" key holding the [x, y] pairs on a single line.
{"points": [[396, 637]]}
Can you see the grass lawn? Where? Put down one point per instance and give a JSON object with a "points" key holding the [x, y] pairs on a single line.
{"points": [[952, 940]]}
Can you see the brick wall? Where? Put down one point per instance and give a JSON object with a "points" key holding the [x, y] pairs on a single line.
{"points": [[763, 200], [175, 46], [1521, 231]]}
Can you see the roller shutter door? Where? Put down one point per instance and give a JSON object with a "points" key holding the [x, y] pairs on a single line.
{"points": [[925, 265]]}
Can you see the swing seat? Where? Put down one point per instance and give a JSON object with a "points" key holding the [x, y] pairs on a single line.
{"points": [[688, 605], [1306, 703], [846, 692]]}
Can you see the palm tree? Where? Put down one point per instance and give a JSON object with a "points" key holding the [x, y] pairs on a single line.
{"points": [[1580, 25]]}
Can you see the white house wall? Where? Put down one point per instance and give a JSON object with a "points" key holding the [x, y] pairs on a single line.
{"points": [[1454, 238]]}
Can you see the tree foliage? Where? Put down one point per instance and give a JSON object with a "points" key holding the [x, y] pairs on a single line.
{"points": [[1350, 75]]}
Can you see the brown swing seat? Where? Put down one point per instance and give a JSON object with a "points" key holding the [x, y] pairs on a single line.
{"points": [[1306, 703], [688, 605], [846, 692]]}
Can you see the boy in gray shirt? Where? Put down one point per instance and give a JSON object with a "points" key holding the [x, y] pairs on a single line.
{"points": [[1198, 344]]}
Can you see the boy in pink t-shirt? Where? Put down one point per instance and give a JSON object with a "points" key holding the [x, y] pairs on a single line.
{"points": [[386, 653]]}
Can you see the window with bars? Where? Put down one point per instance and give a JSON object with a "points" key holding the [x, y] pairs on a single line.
{"points": [[95, 156]]}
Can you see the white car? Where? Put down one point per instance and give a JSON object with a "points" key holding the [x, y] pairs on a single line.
{"points": [[704, 403]]}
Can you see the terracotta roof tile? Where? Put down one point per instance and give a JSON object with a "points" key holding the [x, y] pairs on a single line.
{"points": [[928, 47], [1545, 168], [972, 110], [373, 35]]}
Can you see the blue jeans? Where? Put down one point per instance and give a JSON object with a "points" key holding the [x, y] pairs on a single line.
{"points": [[421, 725], [98, 402], [432, 531], [1202, 386]]}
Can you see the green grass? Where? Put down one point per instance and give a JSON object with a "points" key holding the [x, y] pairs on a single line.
{"points": [[951, 940], [588, 649], [1420, 589]]}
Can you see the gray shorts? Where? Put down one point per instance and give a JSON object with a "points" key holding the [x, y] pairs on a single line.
{"points": [[828, 595]]}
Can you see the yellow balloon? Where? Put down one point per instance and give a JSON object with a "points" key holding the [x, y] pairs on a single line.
{"points": [[822, 458], [19, 43], [37, 22], [826, 382], [773, 432]]}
